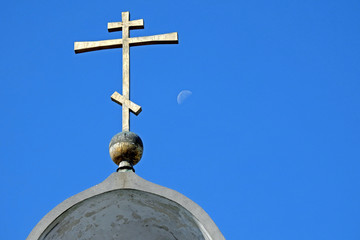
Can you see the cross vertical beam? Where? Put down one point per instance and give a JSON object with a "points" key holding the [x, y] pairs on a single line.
{"points": [[126, 70]]}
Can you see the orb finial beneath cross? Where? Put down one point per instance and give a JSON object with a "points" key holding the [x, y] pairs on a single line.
{"points": [[126, 149]]}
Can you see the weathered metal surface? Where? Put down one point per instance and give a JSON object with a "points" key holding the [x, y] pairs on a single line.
{"points": [[125, 166], [125, 16], [126, 146], [125, 26], [118, 98], [125, 214], [118, 26], [133, 208], [81, 47]]}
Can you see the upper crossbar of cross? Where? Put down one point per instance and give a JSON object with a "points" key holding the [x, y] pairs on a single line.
{"points": [[125, 43]]}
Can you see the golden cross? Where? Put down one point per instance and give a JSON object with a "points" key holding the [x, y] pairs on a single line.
{"points": [[125, 43]]}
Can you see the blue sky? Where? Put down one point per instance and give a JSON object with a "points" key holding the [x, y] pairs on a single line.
{"points": [[268, 143]]}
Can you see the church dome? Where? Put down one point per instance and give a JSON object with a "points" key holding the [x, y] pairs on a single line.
{"points": [[126, 206]]}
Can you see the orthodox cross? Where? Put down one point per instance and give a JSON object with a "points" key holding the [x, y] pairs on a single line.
{"points": [[125, 43]]}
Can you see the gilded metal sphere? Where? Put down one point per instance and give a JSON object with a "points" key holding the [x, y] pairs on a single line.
{"points": [[126, 146]]}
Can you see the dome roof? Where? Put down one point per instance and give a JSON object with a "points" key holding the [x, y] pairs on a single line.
{"points": [[126, 206]]}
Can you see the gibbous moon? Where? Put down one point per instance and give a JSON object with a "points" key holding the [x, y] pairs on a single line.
{"points": [[183, 95]]}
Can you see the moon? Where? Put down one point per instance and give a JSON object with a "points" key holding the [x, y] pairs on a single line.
{"points": [[183, 95]]}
